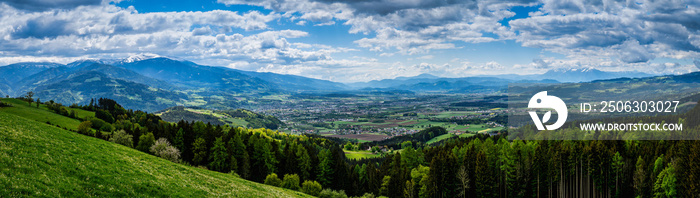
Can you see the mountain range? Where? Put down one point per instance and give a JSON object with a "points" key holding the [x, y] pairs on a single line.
{"points": [[149, 84], [156, 83], [574, 75]]}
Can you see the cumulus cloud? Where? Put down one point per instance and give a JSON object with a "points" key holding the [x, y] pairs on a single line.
{"points": [[409, 27], [634, 32], [607, 35], [107, 31], [42, 5]]}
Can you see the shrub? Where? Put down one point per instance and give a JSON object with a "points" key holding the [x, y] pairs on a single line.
{"points": [[273, 180], [368, 195], [145, 142], [312, 188], [291, 182], [123, 138], [328, 193], [84, 127], [163, 149], [99, 124]]}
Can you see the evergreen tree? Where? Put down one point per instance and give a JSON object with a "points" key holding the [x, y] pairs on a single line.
{"points": [[218, 156], [665, 185], [240, 155], [91, 107], [618, 165], [290, 164], [179, 139], [265, 161], [639, 176], [325, 168], [199, 148], [410, 158], [304, 162]]}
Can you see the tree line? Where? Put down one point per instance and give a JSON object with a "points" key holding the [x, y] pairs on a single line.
{"points": [[479, 166]]}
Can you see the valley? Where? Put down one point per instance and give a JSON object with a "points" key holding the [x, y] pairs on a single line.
{"points": [[316, 135]]}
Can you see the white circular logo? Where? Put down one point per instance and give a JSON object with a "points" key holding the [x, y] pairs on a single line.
{"points": [[542, 101]]}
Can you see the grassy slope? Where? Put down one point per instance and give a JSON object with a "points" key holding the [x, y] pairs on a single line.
{"points": [[43, 114], [440, 138], [39, 160]]}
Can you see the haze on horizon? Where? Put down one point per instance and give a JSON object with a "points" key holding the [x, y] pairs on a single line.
{"points": [[351, 41]]}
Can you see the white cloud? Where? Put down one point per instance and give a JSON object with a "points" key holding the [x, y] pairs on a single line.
{"points": [[108, 31], [633, 32], [408, 27]]}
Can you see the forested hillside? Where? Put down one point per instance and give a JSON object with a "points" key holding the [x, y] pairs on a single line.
{"points": [[479, 166]]}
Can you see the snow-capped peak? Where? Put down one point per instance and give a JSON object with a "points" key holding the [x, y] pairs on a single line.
{"points": [[140, 57]]}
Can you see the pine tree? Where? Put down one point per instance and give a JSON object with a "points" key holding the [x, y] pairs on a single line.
{"points": [[304, 162], [240, 154], [179, 139], [264, 160], [325, 168], [639, 176], [665, 185], [199, 148], [618, 165], [218, 155]]}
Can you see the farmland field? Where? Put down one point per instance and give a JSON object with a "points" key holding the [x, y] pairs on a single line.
{"points": [[366, 136], [360, 154]]}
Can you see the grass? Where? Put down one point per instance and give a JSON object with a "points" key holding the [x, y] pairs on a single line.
{"points": [[359, 154], [43, 114], [440, 138], [235, 121], [463, 135], [39, 160]]}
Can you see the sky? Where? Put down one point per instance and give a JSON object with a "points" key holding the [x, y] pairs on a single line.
{"points": [[362, 40]]}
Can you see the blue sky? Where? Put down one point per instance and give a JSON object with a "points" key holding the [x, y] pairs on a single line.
{"points": [[350, 41]]}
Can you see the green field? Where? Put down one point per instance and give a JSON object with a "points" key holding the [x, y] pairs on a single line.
{"points": [[463, 135], [440, 138], [39, 160], [359, 154], [43, 114]]}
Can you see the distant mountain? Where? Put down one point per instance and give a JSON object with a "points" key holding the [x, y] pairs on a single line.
{"points": [[421, 76], [11, 74], [430, 83], [574, 75], [693, 77], [192, 76], [152, 82], [296, 83], [56, 74], [80, 88], [386, 83], [16, 72]]}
